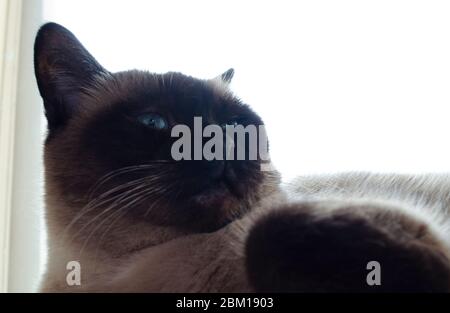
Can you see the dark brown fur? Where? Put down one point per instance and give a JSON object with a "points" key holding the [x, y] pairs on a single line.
{"points": [[309, 251]]}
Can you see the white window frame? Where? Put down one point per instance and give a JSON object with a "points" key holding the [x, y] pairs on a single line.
{"points": [[20, 148], [10, 14]]}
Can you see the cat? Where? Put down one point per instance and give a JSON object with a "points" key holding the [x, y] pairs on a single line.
{"points": [[138, 221]]}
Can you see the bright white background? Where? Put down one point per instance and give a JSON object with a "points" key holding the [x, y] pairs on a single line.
{"points": [[341, 85]]}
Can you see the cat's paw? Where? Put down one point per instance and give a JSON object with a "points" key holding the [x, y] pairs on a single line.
{"points": [[309, 247]]}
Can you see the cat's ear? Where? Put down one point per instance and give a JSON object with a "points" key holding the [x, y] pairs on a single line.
{"points": [[225, 77], [63, 68]]}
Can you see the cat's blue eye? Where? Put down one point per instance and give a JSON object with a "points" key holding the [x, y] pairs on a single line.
{"points": [[153, 120]]}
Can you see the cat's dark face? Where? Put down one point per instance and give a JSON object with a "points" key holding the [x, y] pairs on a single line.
{"points": [[109, 142]]}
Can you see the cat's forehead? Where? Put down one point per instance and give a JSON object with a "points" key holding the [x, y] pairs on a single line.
{"points": [[175, 96], [169, 89]]}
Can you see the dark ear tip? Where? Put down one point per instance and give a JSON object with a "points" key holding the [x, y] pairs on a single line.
{"points": [[52, 34], [50, 29], [230, 71], [51, 26], [44, 41], [228, 75]]}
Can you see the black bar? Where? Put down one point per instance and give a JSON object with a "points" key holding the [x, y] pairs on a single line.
{"points": [[227, 302]]}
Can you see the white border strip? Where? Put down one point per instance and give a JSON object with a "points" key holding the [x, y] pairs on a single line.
{"points": [[10, 14]]}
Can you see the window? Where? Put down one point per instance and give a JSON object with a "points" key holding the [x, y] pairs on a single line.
{"points": [[20, 149]]}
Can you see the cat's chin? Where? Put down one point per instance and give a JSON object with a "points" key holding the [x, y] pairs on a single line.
{"points": [[215, 195], [215, 207]]}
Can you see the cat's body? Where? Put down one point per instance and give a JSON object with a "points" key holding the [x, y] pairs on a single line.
{"points": [[136, 221], [206, 262], [215, 262]]}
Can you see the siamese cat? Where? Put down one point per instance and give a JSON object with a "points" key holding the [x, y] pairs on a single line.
{"points": [[136, 220]]}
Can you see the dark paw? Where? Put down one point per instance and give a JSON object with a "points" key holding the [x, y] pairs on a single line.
{"points": [[294, 249]]}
